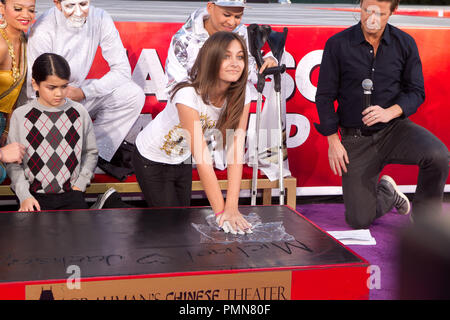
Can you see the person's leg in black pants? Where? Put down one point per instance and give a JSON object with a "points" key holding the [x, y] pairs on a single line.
{"points": [[359, 184], [75, 200], [183, 184], [163, 185], [411, 144], [70, 200], [401, 143]]}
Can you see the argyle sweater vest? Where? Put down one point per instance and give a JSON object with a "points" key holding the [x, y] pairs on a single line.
{"points": [[60, 148], [55, 146]]}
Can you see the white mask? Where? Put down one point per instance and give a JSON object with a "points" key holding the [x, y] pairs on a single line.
{"points": [[373, 22], [76, 12]]}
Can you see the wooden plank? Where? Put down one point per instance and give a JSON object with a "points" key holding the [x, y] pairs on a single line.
{"points": [[246, 184]]}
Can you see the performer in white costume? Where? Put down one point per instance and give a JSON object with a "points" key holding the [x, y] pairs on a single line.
{"points": [[226, 15], [75, 29], [222, 15]]}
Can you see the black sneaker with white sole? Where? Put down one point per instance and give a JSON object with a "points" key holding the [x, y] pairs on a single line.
{"points": [[401, 201]]}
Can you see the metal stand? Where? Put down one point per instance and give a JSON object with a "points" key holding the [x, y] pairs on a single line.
{"points": [[276, 40]]}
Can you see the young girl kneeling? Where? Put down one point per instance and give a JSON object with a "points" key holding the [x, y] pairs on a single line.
{"points": [[215, 97], [61, 152]]}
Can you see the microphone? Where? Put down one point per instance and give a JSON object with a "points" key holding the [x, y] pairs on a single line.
{"points": [[367, 85]]}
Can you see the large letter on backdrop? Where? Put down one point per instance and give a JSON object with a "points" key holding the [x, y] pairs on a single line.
{"points": [[147, 45]]}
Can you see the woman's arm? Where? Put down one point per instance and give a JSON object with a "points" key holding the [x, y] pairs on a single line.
{"points": [[89, 153], [190, 121], [235, 159], [19, 181]]}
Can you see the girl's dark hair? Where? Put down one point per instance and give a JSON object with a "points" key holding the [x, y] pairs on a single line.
{"points": [[50, 64], [204, 76]]}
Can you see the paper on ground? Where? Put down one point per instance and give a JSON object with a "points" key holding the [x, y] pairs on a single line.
{"points": [[349, 237]]}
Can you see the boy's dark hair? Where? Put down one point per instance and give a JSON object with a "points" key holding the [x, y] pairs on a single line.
{"points": [[50, 64]]}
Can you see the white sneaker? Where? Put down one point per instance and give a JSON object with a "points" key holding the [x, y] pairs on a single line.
{"points": [[102, 198]]}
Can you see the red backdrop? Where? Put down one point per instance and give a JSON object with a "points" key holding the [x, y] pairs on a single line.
{"points": [[308, 162]]}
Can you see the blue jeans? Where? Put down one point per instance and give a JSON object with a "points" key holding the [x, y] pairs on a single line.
{"points": [[403, 142]]}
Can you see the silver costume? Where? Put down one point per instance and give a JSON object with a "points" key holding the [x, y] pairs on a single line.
{"points": [[114, 101], [186, 44]]}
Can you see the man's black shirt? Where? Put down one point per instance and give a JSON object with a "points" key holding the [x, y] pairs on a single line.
{"points": [[348, 59]]}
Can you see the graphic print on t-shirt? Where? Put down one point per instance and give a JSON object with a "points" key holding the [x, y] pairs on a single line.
{"points": [[175, 142]]}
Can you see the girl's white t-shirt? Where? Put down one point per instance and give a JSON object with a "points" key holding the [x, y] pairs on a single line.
{"points": [[163, 140]]}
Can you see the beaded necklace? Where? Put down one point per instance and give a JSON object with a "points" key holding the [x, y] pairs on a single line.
{"points": [[15, 69]]}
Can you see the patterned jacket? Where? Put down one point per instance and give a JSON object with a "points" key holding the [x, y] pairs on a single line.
{"points": [[186, 44]]}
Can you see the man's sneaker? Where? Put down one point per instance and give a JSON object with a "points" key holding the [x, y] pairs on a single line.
{"points": [[401, 202], [102, 198]]}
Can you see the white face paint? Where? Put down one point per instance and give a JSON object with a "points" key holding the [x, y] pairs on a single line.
{"points": [[76, 12], [373, 22]]}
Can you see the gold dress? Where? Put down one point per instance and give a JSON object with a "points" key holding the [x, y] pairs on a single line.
{"points": [[11, 82], [6, 82]]}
